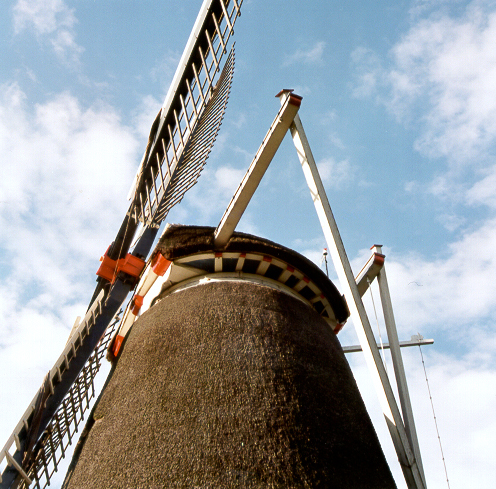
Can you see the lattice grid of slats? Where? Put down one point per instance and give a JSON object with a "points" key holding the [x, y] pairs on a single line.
{"points": [[65, 424], [163, 175], [182, 142], [199, 145]]}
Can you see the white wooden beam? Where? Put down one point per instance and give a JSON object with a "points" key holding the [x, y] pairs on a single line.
{"points": [[358, 314], [261, 161], [399, 369]]}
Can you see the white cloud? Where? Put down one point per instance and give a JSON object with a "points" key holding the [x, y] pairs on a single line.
{"points": [[206, 202], [451, 221], [51, 19], [66, 170], [336, 140], [240, 120], [459, 76], [335, 174], [66, 48], [312, 55], [484, 191], [216, 187], [464, 399], [302, 90], [440, 81], [451, 299], [368, 72], [164, 70], [313, 249], [448, 63], [44, 16], [228, 179], [329, 117], [143, 118], [450, 296]]}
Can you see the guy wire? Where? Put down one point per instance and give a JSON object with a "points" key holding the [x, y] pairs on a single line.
{"points": [[434, 414]]}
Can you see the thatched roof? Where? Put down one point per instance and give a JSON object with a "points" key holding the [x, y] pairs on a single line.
{"points": [[231, 385], [178, 241]]}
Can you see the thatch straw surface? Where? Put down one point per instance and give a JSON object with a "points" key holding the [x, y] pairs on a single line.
{"points": [[231, 385]]}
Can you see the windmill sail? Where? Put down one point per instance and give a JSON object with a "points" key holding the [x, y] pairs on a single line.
{"points": [[180, 141]]}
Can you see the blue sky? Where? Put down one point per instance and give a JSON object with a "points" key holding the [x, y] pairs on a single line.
{"points": [[399, 105]]}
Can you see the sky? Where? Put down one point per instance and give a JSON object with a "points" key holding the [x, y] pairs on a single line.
{"points": [[399, 106]]}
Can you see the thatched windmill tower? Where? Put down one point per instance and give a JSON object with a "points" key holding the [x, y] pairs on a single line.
{"points": [[233, 378]]}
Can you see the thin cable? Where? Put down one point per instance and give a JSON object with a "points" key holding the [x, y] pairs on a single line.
{"points": [[378, 327], [434, 414]]}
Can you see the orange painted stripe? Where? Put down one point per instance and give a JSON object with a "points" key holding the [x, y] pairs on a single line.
{"points": [[160, 264], [117, 345], [138, 302]]}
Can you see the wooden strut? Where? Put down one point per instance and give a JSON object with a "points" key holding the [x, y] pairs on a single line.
{"points": [[409, 457], [256, 171], [402, 432]]}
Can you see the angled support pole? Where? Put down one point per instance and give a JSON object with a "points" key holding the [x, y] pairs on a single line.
{"points": [[288, 118], [399, 370], [411, 469], [369, 271], [290, 105], [374, 268]]}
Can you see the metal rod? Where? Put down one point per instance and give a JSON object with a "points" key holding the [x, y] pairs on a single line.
{"points": [[188, 52], [226, 15], [198, 83], [403, 344], [11, 461], [166, 159], [179, 128], [212, 50], [207, 72], [185, 112], [219, 34], [192, 98]]}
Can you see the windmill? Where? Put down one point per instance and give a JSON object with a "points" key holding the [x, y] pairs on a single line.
{"points": [[180, 140]]}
